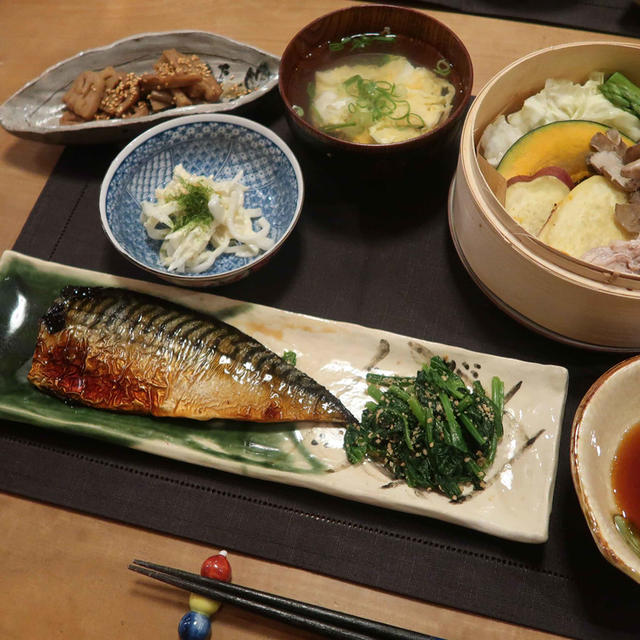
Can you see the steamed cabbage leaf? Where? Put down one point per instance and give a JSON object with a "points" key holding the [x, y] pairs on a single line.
{"points": [[559, 100]]}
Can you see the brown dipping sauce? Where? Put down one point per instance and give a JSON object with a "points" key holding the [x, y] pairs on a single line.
{"points": [[625, 475], [323, 58]]}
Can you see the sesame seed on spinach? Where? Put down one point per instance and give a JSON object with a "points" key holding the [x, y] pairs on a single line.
{"points": [[431, 430]]}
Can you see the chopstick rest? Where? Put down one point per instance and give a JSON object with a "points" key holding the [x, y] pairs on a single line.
{"points": [[196, 623], [326, 622]]}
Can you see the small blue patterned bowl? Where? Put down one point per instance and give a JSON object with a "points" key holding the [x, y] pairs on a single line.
{"points": [[207, 144]]}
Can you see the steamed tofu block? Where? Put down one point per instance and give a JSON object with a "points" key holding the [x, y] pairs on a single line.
{"points": [[530, 203], [585, 218]]}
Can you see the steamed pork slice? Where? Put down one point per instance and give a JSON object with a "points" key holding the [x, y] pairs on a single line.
{"points": [[530, 203], [116, 349], [586, 218], [618, 256]]}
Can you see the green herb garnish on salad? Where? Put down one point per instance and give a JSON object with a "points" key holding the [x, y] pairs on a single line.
{"points": [[431, 430], [194, 205]]}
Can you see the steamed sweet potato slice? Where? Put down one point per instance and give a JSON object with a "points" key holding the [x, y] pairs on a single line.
{"points": [[530, 202], [586, 218]]}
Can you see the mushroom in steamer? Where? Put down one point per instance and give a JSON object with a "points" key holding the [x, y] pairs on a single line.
{"points": [[620, 164]]}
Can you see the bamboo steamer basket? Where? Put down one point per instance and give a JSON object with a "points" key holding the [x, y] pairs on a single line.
{"points": [[562, 297]]}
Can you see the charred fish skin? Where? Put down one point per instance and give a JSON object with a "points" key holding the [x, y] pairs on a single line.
{"points": [[117, 349]]}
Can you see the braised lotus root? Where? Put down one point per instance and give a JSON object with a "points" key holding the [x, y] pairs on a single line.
{"points": [[177, 80], [85, 94]]}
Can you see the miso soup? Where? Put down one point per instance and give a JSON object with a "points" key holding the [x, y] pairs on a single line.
{"points": [[374, 88]]}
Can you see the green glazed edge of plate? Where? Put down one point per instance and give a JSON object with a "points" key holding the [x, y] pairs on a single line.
{"points": [[26, 292]]}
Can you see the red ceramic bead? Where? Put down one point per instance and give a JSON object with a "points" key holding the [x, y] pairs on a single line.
{"points": [[217, 567]]}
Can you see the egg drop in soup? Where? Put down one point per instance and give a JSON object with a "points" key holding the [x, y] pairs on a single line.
{"points": [[625, 475], [375, 88]]}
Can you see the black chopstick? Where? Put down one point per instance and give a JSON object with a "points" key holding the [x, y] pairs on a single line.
{"points": [[331, 624]]}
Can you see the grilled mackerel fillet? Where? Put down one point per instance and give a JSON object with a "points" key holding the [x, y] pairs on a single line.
{"points": [[115, 349]]}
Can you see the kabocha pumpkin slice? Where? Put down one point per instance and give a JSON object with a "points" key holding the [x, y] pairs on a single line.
{"points": [[585, 218], [530, 203], [562, 144]]}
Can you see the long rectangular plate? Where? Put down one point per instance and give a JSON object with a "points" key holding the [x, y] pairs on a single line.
{"points": [[516, 503]]}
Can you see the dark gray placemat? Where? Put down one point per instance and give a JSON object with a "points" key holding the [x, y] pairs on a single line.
{"points": [[375, 252], [619, 17]]}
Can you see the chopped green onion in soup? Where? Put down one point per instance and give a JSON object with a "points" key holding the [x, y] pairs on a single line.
{"points": [[379, 103]]}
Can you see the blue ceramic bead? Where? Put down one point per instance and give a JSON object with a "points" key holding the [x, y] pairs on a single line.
{"points": [[194, 626]]}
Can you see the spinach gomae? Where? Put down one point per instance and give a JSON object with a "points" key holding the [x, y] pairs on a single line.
{"points": [[431, 430]]}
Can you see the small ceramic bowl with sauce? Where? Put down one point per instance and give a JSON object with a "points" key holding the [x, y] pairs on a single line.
{"points": [[605, 447], [348, 43]]}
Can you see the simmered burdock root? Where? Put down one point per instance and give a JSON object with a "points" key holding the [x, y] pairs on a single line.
{"points": [[169, 80], [208, 89], [141, 109], [85, 94], [180, 98], [160, 99]]}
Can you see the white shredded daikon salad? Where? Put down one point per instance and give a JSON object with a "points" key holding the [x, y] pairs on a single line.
{"points": [[198, 219]]}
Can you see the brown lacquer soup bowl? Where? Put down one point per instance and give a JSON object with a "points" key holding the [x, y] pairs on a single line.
{"points": [[357, 39]]}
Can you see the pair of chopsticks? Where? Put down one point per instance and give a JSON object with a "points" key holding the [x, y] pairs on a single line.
{"points": [[326, 622]]}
